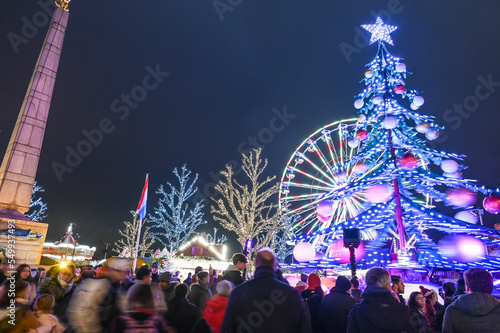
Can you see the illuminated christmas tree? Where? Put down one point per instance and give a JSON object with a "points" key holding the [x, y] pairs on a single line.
{"points": [[398, 180]]}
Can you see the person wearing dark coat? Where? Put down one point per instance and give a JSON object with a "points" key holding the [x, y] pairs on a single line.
{"points": [[355, 291], [233, 272], [416, 303], [379, 311], [62, 288], [181, 313], [313, 295], [265, 304], [476, 311], [154, 273], [200, 291], [460, 289], [336, 305]]}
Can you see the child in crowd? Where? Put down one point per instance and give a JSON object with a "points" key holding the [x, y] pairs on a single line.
{"points": [[44, 304]]}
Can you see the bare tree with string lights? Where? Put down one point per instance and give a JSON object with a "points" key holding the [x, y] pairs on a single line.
{"points": [[38, 208], [126, 246], [175, 220], [248, 209]]}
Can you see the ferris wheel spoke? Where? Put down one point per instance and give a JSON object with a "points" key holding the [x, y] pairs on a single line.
{"points": [[324, 159], [302, 223], [324, 189], [315, 166], [319, 180]]}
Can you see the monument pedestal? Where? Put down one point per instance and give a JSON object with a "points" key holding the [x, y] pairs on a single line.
{"points": [[26, 245]]}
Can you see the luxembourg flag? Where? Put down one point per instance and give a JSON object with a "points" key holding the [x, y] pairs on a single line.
{"points": [[141, 209]]}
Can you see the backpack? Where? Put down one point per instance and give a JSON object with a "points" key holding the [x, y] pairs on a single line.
{"points": [[306, 302]]}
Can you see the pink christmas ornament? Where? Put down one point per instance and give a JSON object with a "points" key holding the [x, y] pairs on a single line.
{"points": [[361, 134], [492, 204], [408, 161], [303, 252], [461, 197], [378, 193]]}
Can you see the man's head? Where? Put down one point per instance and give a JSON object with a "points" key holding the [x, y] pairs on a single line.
{"points": [[449, 289], [378, 277], [240, 261], [478, 280], [197, 270], [164, 280], [355, 283], [343, 284], [397, 284], [144, 275], [265, 258], [154, 268], [224, 288], [87, 271], [43, 273], [203, 277]]}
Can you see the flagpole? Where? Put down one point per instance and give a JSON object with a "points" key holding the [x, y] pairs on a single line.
{"points": [[141, 211], [137, 244]]}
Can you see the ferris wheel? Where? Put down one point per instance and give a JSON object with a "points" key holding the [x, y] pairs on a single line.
{"points": [[315, 172]]}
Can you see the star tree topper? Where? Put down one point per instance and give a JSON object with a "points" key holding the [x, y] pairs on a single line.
{"points": [[380, 31]]}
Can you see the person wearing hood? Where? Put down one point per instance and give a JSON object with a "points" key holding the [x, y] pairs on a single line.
{"points": [[336, 305], [233, 272], [312, 296], [62, 288], [379, 311], [216, 307], [477, 310]]}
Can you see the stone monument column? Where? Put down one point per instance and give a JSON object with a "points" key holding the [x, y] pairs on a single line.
{"points": [[20, 162]]}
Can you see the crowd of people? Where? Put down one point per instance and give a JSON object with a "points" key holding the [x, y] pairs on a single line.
{"points": [[111, 298]]}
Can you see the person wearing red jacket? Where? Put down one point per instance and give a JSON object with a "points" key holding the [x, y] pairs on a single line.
{"points": [[216, 307]]}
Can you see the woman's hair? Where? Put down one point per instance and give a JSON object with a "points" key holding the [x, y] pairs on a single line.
{"points": [[140, 296], [56, 270], [19, 269], [412, 302]]}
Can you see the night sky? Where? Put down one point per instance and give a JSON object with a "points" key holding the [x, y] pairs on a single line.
{"points": [[227, 72]]}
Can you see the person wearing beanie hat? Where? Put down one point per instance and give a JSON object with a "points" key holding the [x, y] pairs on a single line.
{"points": [[154, 272], [460, 289], [447, 293], [301, 286], [166, 286], [312, 296], [430, 312], [335, 306], [343, 284]]}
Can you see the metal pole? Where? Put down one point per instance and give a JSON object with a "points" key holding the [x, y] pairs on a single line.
{"points": [[137, 245], [353, 260]]}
